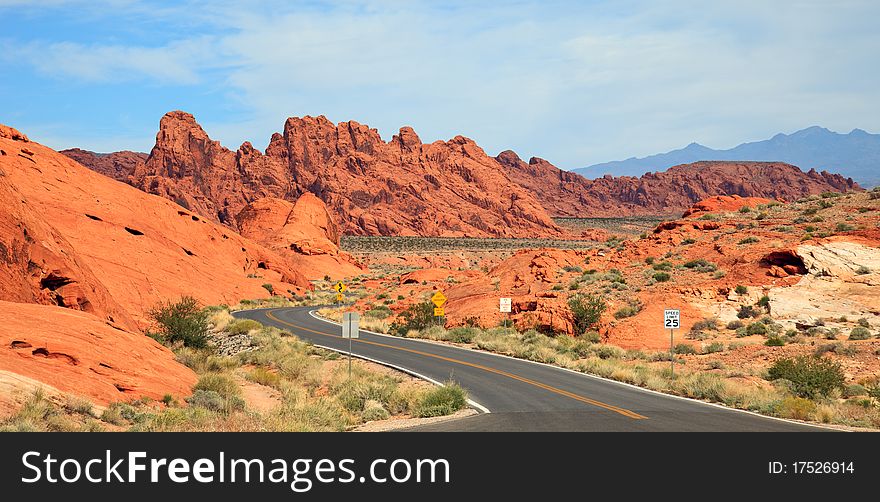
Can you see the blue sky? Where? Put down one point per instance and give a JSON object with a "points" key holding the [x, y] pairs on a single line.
{"points": [[573, 82]]}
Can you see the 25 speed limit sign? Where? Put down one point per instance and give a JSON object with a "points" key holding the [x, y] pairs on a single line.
{"points": [[672, 319]]}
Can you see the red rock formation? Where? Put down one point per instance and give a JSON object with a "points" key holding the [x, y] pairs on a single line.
{"points": [[724, 203], [304, 231], [566, 194], [116, 165], [71, 237], [402, 187], [77, 353]]}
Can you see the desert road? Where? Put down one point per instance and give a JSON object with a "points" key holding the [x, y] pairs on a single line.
{"points": [[524, 396]]}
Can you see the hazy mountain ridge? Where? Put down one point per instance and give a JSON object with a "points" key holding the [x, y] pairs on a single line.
{"points": [[856, 155]]}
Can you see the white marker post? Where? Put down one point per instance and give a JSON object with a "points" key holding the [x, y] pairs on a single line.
{"points": [[672, 321], [504, 305], [350, 329]]}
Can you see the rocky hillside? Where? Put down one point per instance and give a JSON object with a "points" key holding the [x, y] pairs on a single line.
{"points": [[567, 194], [402, 187]]}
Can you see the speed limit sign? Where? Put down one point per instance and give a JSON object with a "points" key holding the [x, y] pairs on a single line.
{"points": [[672, 319]]}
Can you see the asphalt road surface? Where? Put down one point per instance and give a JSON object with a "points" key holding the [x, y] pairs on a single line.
{"points": [[523, 396]]}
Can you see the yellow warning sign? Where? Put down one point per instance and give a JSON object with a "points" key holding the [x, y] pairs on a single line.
{"points": [[339, 297], [439, 312], [439, 299], [340, 287]]}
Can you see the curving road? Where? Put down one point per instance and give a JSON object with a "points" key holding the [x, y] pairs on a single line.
{"points": [[524, 396]]}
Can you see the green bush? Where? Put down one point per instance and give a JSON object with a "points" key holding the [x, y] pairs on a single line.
{"points": [[585, 311], [749, 240], [764, 301], [741, 290], [701, 265], [747, 311], [810, 376], [714, 347], [418, 316], [662, 277], [663, 266], [268, 287], [243, 326], [627, 311], [184, 321], [684, 348], [775, 341], [462, 335], [859, 333], [379, 312], [688, 241], [443, 400], [734, 325]]}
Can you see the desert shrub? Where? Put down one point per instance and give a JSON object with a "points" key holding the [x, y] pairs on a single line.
{"points": [[627, 311], [663, 266], [417, 316], [747, 311], [716, 365], [764, 301], [855, 390], [373, 410], [688, 241], [824, 204], [859, 333], [585, 311], [442, 401], [775, 341], [462, 335], [741, 290], [243, 326], [649, 260], [701, 265], [844, 227], [268, 287], [797, 408], [265, 377], [572, 268], [222, 384], [863, 270], [590, 336], [662, 276], [745, 209], [810, 376], [714, 347], [863, 322], [684, 348], [183, 321], [379, 312], [609, 352], [734, 325], [749, 240]]}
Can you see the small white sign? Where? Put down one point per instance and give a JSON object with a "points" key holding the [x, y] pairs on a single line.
{"points": [[350, 324], [505, 304], [672, 319]]}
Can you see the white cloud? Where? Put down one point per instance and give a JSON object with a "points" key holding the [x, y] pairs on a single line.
{"points": [[572, 82]]}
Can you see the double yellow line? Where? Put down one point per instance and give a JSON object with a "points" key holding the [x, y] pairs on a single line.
{"points": [[555, 390]]}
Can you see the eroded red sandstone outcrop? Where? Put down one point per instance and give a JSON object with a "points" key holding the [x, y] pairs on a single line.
{"points": [[116, 165], [71, 237], [303, 231], [402, 187], [673, 191]]}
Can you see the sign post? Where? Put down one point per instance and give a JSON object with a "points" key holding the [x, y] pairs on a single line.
{"points": [[672, 321], [504, 305], [350, 329], [340, 288], [439, 299]]}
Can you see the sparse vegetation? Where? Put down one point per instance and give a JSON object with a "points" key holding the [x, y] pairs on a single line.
{"points": [[183, 322], [585, 311], [808, 376]]}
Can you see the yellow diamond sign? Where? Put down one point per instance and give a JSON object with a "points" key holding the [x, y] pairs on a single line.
{"points": [[340, 287], [439, 299]]}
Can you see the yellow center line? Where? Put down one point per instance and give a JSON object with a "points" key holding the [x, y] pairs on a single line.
{"points": [[622, 411]]}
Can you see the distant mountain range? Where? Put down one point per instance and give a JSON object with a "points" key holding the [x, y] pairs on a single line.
{"points": [[856, 155]]}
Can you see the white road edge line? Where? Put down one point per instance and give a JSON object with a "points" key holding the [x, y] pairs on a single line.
{"points": [[588, 375]]}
